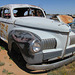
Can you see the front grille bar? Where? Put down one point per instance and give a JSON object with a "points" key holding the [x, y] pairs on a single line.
{"points": [[48, 43]]}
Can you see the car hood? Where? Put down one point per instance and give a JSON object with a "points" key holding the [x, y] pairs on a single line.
{"points": [[65, 19], [41, 23]]}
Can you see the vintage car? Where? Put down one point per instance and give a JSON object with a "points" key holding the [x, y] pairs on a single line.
{"points": [[44, 43]]}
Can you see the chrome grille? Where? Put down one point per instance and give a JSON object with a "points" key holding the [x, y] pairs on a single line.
{"points": [[48, 43]]}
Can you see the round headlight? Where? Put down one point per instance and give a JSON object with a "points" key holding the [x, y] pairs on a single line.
{"points": [[35, 46]]}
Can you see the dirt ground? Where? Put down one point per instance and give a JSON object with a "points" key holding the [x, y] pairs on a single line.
{"points": [[12, 66]]}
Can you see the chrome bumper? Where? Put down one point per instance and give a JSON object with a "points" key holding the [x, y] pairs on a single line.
{"points": [[51, 66]]}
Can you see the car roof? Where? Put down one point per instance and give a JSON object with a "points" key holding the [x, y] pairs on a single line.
{"points": [[12, 6]]}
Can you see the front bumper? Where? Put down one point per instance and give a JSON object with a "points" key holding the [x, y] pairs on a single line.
{"points": [[51, 66]]}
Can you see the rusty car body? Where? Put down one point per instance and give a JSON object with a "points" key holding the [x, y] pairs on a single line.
{"points": [[39, 40]]}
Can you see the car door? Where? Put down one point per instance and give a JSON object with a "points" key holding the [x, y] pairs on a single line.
{"points": [[6, 23]]}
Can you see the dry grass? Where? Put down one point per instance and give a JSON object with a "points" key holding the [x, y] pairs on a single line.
{"points": [[7, 72], [2, 63], [65, 70]]}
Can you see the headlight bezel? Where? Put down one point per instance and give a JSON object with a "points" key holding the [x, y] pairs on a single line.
{"points": [[18, 38], [35, 48], [32, 40]]}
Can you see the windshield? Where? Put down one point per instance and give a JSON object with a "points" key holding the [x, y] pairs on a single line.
{"points": [[23, 12]]}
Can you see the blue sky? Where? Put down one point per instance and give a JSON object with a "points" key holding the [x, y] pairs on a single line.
{"points": [[50, 6]]}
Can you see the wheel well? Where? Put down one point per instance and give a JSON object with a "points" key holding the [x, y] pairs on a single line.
{"points": [[15, 48]]}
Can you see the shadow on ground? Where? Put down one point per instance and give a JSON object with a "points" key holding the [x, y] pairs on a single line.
{"points": [[18, 60]]}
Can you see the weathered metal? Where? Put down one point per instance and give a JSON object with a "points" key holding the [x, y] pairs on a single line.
{"points": [[51, 66], [39, 39]]}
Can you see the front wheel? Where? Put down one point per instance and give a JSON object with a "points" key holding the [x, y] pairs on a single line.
{"points": [[15, 52]]}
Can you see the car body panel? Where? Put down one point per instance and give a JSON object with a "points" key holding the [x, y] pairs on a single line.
{"points": [[42, 23]]}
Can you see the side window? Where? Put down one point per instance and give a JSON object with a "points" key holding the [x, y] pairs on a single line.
{"points": [[15, 12], [6, 13], [20, 12], [26, 13], [1, 12]]}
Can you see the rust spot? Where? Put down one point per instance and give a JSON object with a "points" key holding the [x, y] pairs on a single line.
{"points": [[2, 32], [2, 27], [2, 24], [66, 19], [58, 57], [6, 28]]}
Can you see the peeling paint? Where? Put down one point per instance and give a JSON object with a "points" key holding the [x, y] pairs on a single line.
{"points": [[6, 28], [59, 57], [65, 18], [2, 33], [2, 26]]}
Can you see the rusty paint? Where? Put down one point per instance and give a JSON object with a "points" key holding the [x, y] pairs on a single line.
{"points": [[2, 32], [58, 57], [66, 19], [6, 28], [2, 26]]}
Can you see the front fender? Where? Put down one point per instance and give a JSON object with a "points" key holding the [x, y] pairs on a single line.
{"points": [[24, 48], [40, 33]]}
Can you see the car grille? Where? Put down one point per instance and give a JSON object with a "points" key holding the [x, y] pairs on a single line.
{"points": [[49, 43]]}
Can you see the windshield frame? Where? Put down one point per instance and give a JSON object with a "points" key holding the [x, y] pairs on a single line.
{"points": [[29, 8]]}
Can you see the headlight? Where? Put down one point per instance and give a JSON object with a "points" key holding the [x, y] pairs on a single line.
{"points": [[35, 46]]}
